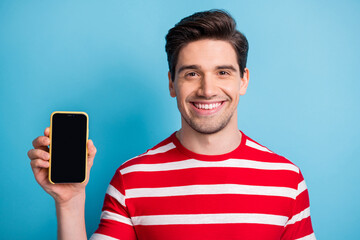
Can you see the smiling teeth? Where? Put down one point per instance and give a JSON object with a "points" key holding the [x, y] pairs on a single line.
{"points": [[207, 106]]}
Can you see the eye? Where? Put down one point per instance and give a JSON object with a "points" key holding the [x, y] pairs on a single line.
{"points": [[191, 74], [222, 73]]}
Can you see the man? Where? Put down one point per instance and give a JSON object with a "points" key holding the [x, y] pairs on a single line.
{"points": [[206, 181]]}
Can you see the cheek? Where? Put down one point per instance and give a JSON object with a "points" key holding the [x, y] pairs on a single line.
{"points": [[183, 91], [179, 95], [232, 90]]}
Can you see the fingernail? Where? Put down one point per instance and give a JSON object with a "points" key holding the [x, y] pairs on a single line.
{"points": [[46, 156]]}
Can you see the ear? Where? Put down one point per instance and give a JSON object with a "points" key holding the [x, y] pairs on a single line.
{"points": [[244, 82], [171, 86]]}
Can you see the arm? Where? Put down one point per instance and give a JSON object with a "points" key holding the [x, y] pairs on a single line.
{"points": [[299, 225], [69, 198], [115, 222], [71, 218]]}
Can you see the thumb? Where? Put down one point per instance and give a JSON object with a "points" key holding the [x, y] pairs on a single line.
{"points": [[91, 152]]}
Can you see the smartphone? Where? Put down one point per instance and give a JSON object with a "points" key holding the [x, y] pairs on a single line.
{"points": [[68, 147]]}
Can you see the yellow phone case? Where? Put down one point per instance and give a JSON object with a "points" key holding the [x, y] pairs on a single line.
{"points": [[87, 138]]}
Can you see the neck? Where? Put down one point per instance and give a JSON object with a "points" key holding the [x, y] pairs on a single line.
{"points": [[221, 142]]}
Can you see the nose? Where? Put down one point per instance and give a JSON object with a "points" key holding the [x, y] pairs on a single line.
{"points": [[207, 87]]}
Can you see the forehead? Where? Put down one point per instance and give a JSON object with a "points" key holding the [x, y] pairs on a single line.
{"points": [[207, 53]]}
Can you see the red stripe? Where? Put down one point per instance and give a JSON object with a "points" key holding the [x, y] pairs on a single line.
{"points": [[111, 204], [198, 204], [213, 175], [302, 202], [174, 155], [209, 232], [298, 229], [116, 230], [117, 182]]}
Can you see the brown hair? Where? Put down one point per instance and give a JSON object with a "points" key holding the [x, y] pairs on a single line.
{"points": [[212, 24]]}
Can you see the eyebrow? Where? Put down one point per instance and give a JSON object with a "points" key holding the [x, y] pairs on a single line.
{"points": [[229, 67], [185, 67]]}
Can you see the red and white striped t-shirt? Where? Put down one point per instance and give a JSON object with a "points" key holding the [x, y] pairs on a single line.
{"points": [[171, 193]]}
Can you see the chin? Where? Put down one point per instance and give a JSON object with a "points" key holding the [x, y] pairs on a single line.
{"points": [[203, 129], [209, 125]]}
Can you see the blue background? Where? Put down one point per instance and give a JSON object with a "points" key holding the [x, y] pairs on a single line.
{"points": [[107, 58]]}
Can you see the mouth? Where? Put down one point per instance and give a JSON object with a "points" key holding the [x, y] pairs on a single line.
{"points": [[207, 108]]}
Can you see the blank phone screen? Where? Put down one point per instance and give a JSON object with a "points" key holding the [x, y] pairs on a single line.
{"points": [[68, 147]]}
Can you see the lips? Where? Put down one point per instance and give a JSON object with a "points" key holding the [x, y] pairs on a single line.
{"points": [[207, 106]]}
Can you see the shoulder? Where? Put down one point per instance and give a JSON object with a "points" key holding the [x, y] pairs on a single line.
{"points": [[288, 173], [156, 154], [256, 151]]}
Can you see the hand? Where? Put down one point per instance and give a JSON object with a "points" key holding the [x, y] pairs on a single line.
{"points": [[39, 156]]}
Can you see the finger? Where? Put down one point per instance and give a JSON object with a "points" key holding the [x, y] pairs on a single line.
{"points": [[41, 142], [39, 163], [47, 132], [91, 153], [38, 153], [91, 149]]}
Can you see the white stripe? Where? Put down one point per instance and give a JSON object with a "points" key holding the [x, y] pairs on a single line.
{"points": [[301, 187], [300, 216], [98, 236], [112, 191], [211, 189], [256, 146], [210, 219], [308, 237], [193, 163], [115, 217], [162, 149]]}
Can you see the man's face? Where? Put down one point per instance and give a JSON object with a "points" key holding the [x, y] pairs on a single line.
{"points": [[207, 85]]}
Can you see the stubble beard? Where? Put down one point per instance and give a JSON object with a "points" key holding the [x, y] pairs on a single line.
{"points": [[208, 126]]}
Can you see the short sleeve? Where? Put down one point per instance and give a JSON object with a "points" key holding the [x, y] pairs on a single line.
{"points": [[299, 226], [115, 222]]}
